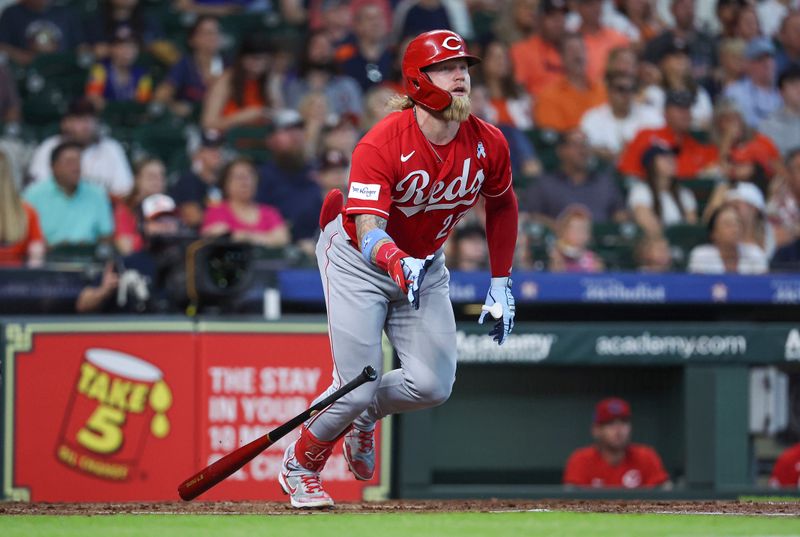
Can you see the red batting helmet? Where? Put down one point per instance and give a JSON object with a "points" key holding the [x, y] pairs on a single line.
{"points": [[425, 50]]}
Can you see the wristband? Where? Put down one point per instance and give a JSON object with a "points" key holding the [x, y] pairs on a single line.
{"points": [[369, 240]]}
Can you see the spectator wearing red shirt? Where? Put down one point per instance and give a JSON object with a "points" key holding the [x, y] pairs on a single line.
{"points": [[694, 158], [150, 178], [613, 461], [786, 472]]}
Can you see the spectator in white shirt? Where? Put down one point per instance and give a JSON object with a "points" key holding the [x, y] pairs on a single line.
{"points": [[103, 161], [676, 75], [659, 201], [612, 125], [727, 252]]}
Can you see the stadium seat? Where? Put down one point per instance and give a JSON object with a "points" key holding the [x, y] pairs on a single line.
{"points": [[164, 141], [702, 189], [124, 113], [44, 107], [545, 143], [250, 142], [682, 238], [540, 239], [72, 253]]}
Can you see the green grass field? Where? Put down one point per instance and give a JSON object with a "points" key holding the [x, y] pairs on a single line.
{"points": [[555, 524]]}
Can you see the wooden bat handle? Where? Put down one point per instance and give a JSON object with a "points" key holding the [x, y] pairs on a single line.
{"points": [[233, 461]]}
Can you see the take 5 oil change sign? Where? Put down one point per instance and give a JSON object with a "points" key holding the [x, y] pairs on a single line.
{"points": [[101, 417], [118, 401], [129, 413]]}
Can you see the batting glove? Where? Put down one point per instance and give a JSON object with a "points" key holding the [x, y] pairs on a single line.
{"points": [[414, 271], [500, 293]]}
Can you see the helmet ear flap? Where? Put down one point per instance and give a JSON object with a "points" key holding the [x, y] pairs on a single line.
{"points": [[423, 91]]}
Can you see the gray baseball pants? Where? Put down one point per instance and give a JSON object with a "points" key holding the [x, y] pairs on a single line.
{"points": [[362, 302]]}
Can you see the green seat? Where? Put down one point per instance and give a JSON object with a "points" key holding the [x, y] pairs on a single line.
{"points": [[682, 238], [56, 64], [612, 234], [235, 27], [161, 140], [72, 253], [702, 190], [616, 258], [539, 238], [250, 141], [124, 113], [44, 107], [545, 141]]}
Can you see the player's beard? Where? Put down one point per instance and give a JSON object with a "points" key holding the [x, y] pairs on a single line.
{"points": [[458, 110]]}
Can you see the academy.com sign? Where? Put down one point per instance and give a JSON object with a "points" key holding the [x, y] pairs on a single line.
{"points": [[517, 347], [686, 347]]}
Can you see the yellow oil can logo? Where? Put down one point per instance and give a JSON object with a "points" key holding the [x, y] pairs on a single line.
{"points": [[117, 403]]}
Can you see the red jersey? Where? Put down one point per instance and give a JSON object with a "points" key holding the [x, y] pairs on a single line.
{"points": [[421, 189], [692, 158], [787, 469], [641, 467]]}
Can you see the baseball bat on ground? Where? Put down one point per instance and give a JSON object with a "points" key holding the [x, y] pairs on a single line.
{"points": [[230, 463]]}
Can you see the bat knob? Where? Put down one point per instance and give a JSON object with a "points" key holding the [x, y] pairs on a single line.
{"points": [[369, 373], [495, 310]]}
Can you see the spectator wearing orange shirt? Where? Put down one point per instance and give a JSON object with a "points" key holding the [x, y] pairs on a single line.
{"points": [[599, 39], [613, 461], [537, 61], [740, 143], [21, 238], [693, 157], [561, 105]]}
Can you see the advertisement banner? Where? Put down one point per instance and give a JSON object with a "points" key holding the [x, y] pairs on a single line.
{"points": [[252, 383], [634, 343], [100, 416], [301, 285], [126, 411]]}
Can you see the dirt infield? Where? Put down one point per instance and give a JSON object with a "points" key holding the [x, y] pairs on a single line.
{"points": [[421, 506]]}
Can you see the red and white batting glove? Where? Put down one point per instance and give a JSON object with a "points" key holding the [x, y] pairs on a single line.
{"points": [[406, 271]]}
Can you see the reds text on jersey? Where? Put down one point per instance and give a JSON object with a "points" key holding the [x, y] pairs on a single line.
{"points": [[397, 174]]}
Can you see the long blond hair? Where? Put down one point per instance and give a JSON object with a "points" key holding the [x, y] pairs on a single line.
{"points": [[458, 110], [399, 102], [13, 220]]}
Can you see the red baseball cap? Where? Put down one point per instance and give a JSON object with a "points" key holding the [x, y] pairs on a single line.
{"points": [[610, 409]]}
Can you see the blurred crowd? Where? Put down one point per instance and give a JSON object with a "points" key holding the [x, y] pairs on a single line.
{"points": [[651, 135]]}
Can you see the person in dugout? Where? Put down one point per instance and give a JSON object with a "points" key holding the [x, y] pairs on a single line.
{"points": [[613, 460]]}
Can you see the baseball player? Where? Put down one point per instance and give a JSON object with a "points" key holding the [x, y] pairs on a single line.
{"points": [[786, 472], [412, 178], [613, 461]]}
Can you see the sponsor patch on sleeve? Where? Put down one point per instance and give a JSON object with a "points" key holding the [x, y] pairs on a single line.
{"points": [[362, 191]]}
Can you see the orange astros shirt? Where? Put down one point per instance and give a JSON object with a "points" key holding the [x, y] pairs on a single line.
{"points": [[561, 105], [641, 467], [693, 156]]}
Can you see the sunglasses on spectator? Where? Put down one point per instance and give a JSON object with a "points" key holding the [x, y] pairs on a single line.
{"points": [[623, 89]]}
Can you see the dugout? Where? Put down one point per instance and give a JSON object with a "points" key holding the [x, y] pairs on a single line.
{"points": [[516, 415]]}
